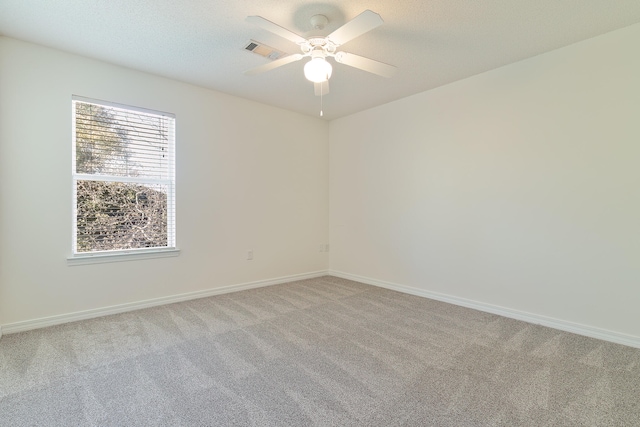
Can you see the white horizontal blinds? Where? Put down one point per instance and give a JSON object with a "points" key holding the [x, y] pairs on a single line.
{"points": [[113, 141], [124, 178]]}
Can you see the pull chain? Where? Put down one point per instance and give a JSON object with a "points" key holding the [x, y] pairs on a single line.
{"points": [[321, 100]]}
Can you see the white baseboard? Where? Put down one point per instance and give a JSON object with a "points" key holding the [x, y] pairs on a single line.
{"points": [[44, 322], [563, 325]]}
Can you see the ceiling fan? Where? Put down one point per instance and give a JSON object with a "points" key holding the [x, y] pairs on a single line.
{"points": [[318, 69]]}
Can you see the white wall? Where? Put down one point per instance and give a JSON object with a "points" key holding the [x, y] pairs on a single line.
{"points": [[249, 176], [516, 188]]}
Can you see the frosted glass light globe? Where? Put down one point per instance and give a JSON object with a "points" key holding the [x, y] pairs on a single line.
{"points": [[317, 70]]}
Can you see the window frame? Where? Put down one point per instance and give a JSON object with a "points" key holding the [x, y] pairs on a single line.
{"points": [[116, 255]]}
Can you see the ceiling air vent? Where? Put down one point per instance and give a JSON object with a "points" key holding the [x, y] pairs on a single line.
{"points": [[264, 50]]}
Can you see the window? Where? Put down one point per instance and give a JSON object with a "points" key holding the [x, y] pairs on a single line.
{"points": [[123, 179]]}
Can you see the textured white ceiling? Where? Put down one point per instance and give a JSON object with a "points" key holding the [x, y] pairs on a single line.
{"points": [[201, 41]]}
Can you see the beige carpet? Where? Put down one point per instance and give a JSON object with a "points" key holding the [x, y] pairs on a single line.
{"points": [[326, 352]]}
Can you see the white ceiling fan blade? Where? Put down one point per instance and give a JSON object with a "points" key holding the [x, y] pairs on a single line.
{"points": [[275, 29], [366, 64], [362, 23], [274, 64], [321, 88]]}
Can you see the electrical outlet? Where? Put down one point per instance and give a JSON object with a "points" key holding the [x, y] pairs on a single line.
{"points": [[326, 247], [321, 248], [250, 255]]}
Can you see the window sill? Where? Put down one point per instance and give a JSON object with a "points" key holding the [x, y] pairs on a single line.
{"points": [[101, 258]]}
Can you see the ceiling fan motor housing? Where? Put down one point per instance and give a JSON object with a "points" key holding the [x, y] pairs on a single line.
{"points": [[318, 44]]}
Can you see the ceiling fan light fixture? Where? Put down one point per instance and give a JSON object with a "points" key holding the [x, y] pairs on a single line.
{"points": [[317, 70]]}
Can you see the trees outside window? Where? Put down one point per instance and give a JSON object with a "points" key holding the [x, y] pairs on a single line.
{"points": [[124, 178]]}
